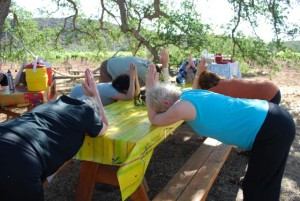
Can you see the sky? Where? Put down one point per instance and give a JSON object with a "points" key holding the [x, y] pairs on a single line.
{"points": [[213, 12]]}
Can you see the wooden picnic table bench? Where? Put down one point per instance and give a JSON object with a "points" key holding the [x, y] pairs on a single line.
{"points": [[195, 178], [75, 72]]}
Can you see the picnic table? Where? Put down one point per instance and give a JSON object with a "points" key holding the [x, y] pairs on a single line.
{"points": [[75, 72], [121, 156], [228, 70]]}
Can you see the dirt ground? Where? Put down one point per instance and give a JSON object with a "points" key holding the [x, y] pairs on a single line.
{"points": [[170, 155]]}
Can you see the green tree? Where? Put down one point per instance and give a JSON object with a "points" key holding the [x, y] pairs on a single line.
{"points": [[156, 24], [23, 37]]}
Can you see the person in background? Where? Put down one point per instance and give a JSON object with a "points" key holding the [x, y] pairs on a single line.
{"points": [[3, 79], [123, 87], [251, 124], [20, 77], [187, 71], [237, 88], [35, 145], [115, 66]]}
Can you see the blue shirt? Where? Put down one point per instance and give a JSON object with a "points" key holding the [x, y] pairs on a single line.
{"points": [[106, 91], [182, 73], [233, 121], [120, 65]]}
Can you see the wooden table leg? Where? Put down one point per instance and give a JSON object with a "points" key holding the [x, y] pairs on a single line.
{"points": [[140, 194], [87, 180], [9, 114], [92, 173], [145, 184]]}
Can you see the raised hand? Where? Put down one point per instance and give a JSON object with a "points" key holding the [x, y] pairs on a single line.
{"points": [[201, 66], [190, 63], [164, 58], [151, 76], [89, 85], [132, 70]]}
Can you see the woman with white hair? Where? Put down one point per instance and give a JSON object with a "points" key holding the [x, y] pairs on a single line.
{"points": [[251, 124]]}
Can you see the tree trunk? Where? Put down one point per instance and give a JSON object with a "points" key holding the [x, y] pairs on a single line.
{"points": [[4, 10]]}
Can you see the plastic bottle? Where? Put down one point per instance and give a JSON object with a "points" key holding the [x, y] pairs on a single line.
{"points": [[204, 53], [206, 57], [10, 80]]}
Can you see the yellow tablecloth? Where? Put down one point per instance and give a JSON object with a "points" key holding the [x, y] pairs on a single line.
{"points": [[128, 143]]}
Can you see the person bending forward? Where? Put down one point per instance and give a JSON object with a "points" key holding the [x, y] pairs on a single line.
{"points": [[251, 124]]}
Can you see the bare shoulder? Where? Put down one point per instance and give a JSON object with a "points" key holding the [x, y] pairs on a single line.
{"points": [[186, 109]]}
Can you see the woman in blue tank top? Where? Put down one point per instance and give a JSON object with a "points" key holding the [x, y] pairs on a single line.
{"points": [[257, 125]]}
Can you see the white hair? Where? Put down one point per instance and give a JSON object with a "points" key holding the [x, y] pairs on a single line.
{"points": [[159, 92]]}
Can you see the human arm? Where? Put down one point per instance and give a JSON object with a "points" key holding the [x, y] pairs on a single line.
{"points": [[190, 64], [184, 68], [89, 87], [137, 90], [164, 60], [200, 69], [180, 110], [152, 76]]}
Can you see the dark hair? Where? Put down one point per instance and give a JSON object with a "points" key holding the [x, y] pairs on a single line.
{"points": [[121, 83], [158, 69], [3, 80], [208, 79]]}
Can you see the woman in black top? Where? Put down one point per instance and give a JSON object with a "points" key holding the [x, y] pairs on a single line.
{"points": [[35, 145]]}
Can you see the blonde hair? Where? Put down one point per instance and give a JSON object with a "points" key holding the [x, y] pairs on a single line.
{"points": [[160, 92]]}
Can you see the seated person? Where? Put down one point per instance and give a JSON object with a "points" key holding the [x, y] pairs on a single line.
{"points": [[3, 79], [187, 71], [265, 128], [115, 66], [123, 87], [37, 144], [237, 88], [20, 78]]}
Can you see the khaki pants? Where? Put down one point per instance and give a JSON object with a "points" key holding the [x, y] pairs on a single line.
{"points": [[104, 76]]}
